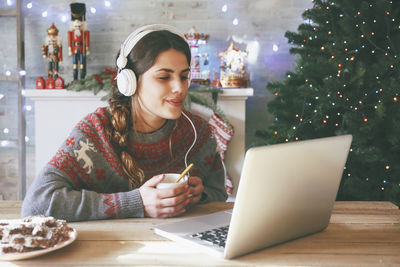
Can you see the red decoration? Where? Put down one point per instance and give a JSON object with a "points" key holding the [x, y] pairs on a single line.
{"points": [[59, 84], [98, 78], [52, 51], [78, 40], [50, 84], [40, 83]]}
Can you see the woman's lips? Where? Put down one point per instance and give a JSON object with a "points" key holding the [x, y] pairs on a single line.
{"points": [[175, 102]]}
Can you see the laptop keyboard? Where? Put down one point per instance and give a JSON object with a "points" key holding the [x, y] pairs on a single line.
{"points": [[215, 236]]}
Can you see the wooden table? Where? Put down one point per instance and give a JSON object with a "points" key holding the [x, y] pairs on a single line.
{"points": [[359, 234]]}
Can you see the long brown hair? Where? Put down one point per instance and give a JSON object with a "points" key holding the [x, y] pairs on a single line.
{"points": [[123, 109]]}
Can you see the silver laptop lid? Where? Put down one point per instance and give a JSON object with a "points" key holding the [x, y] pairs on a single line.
{"points": [[286, 191]]}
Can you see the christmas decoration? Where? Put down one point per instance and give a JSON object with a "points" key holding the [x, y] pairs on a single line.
{"points": [[40, 83], [200, 73], [223, 133], [233, 67], [52, 51], [346, 82], [59, 83], [95, 83], [50, 84], [78, 40]]}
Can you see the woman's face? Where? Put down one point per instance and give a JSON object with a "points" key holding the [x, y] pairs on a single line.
{"points": [[162, 90]]}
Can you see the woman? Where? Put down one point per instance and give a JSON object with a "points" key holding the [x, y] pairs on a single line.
{"points": [[114, 158]]}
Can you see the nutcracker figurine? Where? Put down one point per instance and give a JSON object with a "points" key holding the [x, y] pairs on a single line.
{"points": [[78, 39], [52, 50]]}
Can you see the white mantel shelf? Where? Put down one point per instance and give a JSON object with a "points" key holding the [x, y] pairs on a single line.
{"points": [[51, 94], [58, 111]]}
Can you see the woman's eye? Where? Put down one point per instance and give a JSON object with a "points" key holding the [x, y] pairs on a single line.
{"points": [[184, 78], [163, 78]]}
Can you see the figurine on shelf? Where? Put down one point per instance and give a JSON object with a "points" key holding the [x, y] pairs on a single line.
{"points": [[52, 51], [40, 83], [233, 67], [78, 39], [199, 71]]}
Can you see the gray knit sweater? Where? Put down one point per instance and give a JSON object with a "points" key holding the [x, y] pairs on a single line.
{"points": [[85, 179]]}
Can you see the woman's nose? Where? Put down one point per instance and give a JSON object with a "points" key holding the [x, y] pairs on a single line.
{"points": [[179, 86]]}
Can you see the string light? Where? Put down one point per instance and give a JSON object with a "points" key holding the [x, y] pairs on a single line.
{"points": [[4, 143], [224, 8], [235, 22], [29, 5], [107, 3]]}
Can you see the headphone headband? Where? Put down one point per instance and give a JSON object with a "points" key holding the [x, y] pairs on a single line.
{"points": [[126, 78], [137, 35]]}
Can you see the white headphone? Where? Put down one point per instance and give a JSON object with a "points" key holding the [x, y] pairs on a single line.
{"points": [[126, 78]]}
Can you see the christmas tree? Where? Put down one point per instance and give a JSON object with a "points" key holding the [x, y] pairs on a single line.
{"points": [[346, 81]]}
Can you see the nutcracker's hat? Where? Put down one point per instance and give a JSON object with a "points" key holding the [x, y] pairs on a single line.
{"points": [[78, 11], [52, 30]]}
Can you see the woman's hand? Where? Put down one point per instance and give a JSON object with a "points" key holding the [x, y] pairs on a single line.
{"points": [[196, 189], [162, 203]]}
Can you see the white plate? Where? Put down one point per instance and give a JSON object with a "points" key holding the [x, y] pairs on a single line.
{"points": [[26, 255]]}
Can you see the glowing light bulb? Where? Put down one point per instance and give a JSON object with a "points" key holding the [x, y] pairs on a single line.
{"points": [[93, 10], [224, 8], [64, 18], [107, 3], [29, 5], [44, 14], [235, 22], [4, 143], [275, 47]]}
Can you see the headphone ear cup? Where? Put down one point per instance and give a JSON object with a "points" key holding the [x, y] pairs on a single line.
{"points": [[126, 82]]}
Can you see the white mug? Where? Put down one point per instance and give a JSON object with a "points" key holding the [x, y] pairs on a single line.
{"points": [[169, 180]]}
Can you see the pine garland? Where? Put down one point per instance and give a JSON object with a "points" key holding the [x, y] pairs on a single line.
{"points": [[199, 94]]}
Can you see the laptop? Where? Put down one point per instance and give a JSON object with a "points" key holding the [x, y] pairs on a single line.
{"points": [[286, 191]]}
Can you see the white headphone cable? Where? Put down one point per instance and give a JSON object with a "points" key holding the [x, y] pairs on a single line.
{"points": [[194, 141], [195, 138]]}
